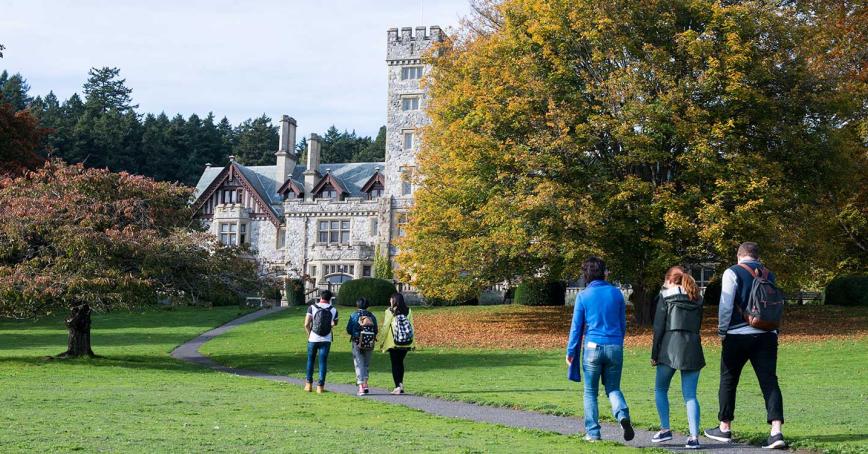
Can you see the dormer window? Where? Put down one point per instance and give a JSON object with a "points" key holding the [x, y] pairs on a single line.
{"points": [[328, 192], [375, 186], [376, 192]]}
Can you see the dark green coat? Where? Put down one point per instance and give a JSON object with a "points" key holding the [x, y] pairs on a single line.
{"points": [[677, 321]]}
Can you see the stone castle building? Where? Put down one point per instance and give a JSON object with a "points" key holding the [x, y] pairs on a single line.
{"points": [[327, 220]]}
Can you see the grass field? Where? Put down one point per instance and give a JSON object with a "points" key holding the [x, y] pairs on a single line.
{"points": [[138, 399], [824, 382]]}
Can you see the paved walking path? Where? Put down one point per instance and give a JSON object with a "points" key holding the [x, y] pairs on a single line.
{"points": [[513, 418]]}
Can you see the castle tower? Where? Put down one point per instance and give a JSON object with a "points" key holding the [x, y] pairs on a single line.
{"points": [[406, 103]]}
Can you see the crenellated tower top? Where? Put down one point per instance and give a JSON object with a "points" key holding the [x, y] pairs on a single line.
{"points": [[406, 46]]}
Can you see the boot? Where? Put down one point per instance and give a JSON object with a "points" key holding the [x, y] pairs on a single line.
{"points": [[307, 386], [320, 389]]}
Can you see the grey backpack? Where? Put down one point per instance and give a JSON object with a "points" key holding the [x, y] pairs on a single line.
{"points": [[765, 305]]}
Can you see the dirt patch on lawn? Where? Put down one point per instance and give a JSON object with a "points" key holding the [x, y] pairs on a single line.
{"points": [[524, 327]]}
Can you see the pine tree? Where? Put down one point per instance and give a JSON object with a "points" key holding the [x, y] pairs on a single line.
{"points": [[104, 90], [14, 90], [375, 151], [256, 142]]}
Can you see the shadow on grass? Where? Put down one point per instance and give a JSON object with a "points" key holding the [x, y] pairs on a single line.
{"points": [[100, 339]]}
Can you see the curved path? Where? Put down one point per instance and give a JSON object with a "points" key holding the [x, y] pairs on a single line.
{"points": [[189, 352]]}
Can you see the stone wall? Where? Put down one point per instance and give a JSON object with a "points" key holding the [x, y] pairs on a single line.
{"points": [[404, 49]]}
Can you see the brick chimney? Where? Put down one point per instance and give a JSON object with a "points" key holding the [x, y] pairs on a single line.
{"points": [[286, 150], [311, 173]]}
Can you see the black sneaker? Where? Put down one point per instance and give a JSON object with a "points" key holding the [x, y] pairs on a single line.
{"points": [[661, 436], [775, 442], [716, 434], [628, 429], [692, 443]]}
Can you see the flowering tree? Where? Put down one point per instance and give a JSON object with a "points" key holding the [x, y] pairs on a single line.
{"points": [[82, 240]]}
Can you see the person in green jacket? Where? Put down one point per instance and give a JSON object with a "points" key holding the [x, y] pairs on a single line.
{"points": [[398, 338], [677, 346]]}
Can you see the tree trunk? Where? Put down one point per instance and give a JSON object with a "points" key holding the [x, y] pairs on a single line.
{"points": [[643, 306], [78, 341]]}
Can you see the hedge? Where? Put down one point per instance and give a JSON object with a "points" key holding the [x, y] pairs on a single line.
{"points": [[377, 291], [540, 293], [294, 292], [848, 291]]}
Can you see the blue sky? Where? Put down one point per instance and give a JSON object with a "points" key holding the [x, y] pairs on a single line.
{"points": [[321, 62]]}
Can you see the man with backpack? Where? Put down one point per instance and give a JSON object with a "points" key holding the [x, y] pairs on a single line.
{"points": [[749, 314], [362, 328], [321, 317]]}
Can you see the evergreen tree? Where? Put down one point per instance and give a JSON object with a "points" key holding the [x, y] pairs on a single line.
{"points": [[375, 151], [14, 90], [256, 142], [104, 90]]}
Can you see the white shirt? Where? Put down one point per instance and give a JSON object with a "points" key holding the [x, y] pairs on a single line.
{"points": [[314, 337]]}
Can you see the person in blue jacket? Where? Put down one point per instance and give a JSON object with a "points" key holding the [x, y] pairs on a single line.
{"points": [[600, 320]]}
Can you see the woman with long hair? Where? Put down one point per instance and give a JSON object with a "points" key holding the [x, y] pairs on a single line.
{"points": [[398, 338], [677, 347]]}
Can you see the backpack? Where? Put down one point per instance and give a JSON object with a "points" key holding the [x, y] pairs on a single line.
{"points": [[367, 334], [322, 321], [402, 330], [765, 305]]}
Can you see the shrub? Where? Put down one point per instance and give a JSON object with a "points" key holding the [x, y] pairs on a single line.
{"points": [[377, 291], [294, 292], [848, 291], [711, 296], [540, 293]]}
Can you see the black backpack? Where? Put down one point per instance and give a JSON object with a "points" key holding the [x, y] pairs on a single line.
{"points": [[367, 331], [765, 305], [322, 321]]}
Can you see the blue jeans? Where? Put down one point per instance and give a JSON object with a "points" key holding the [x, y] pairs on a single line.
{"points": [[603, 361], [323, 349], [689, 381]]}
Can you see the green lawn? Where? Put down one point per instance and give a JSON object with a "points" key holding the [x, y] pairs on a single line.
{"points": [[138, 399], [825, 384]]}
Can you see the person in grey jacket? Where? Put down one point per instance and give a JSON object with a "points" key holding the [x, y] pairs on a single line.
{"points": [[677, 346]]}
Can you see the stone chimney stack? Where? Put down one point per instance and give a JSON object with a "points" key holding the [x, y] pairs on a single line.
{"points": [[285, 150], [311, 174]]}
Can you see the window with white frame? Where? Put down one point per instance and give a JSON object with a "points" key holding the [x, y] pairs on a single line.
{"points": [[702, 275], [335, 231], [242, 234], [411, 72], [410, 103], [366, 271], [229, 233], [408, 140]]}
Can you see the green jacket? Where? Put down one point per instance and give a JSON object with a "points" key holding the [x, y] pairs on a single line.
{"points": [[388, 341], [677, 322]]}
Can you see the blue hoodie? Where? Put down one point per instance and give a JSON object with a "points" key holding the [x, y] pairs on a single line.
{"points": [[600, 315]]}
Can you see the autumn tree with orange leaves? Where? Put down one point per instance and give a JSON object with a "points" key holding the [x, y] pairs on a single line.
{"points": [[650, 133]]}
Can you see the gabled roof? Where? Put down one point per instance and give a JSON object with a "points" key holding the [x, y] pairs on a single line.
{"points": [[377, 177], [332, 180], [291, 184], [352, 177], [251, 180]]}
